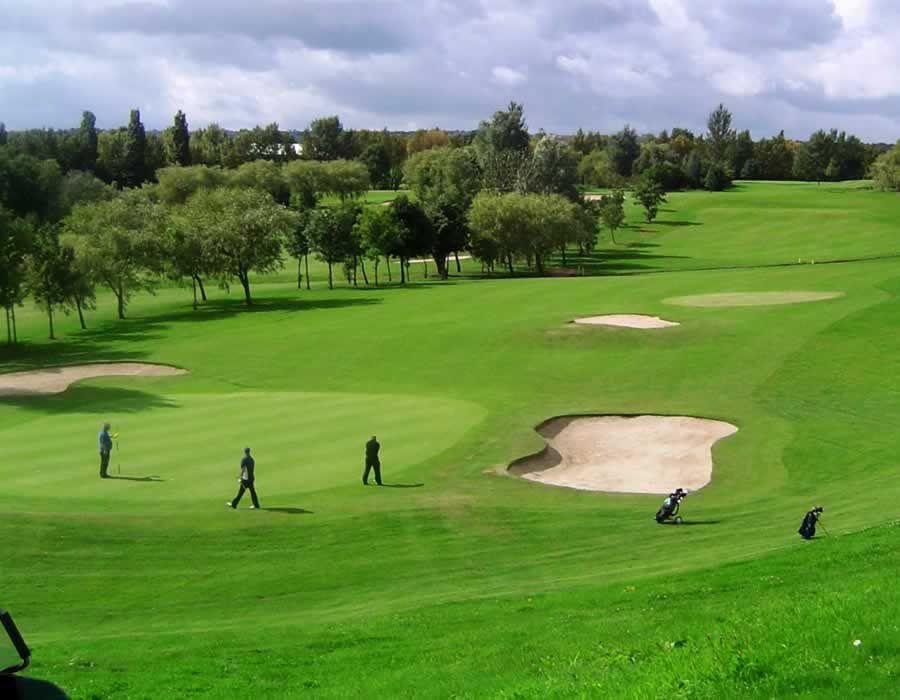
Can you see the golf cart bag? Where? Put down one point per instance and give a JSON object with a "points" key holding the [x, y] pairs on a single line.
{"points": [[669, 508], [808, 526]]}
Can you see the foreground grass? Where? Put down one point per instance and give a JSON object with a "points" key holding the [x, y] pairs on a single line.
{"points": [[468, 583]]}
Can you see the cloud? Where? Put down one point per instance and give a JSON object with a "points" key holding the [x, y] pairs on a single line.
{"points": [[597, 64], [507, 76]]}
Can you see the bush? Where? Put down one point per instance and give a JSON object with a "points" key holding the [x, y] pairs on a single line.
{"points": [[717, 178]]}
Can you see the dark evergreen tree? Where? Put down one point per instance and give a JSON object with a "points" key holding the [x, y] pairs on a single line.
{"points": [[135, 151], [181, 140]]}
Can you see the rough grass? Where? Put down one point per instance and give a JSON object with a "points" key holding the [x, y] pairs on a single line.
{"points": [[474, 584]]}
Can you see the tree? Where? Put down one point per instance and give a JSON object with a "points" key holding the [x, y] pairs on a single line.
{"points": [[624, 150], [177, 184], [262, 175], [554, 168], [886, 170], [502, 147], [649, 195], [181, 140], [717, 178], [29, 186], [297, 243], [423, 140], [86, 140], [80, 286], [375, 158], [328, 239], [111, 165], [596, 170], [124, 236], [304, 181], [719, 133], [49, 271], [693, 168], [445, 181], [243, 230], [612, 212], [380, 231], [322, 140], [347, 179], [742, 152], [135, 151], [417, 237], [77, 187], [15, 238], [4, 137]]}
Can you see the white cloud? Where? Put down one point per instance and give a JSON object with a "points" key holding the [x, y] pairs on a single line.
{"points": [[508, 76]]}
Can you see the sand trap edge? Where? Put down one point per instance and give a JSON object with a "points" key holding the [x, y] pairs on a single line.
{"points": [[641, 322], [50, 387], [551, 457]]}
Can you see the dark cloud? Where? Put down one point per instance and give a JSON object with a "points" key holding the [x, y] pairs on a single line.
{"points": [[770, 24], [793, 64]]}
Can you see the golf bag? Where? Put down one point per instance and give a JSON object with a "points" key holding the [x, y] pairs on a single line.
{"points": [[669, 508], [808, 527]]}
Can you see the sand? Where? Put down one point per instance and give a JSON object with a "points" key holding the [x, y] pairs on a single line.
{"points": [[626, 321], [54, 380], [619, 454], [752, 298]]}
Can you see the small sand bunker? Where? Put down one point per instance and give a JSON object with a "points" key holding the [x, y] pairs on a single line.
{"points": [[752, 298], [54, 380], [620, 454], [626, 321]]}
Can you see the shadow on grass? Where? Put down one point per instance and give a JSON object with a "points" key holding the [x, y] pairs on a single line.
{"points": [[218, 309], [288, 511], [691, 522], [152, 479], [401, 486], [90, 399]]}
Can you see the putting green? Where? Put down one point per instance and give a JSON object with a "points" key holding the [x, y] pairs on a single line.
{"points": [[189, 445], [752, 298]]}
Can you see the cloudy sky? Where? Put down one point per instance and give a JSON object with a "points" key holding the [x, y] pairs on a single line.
{"points": [[597, 64]]}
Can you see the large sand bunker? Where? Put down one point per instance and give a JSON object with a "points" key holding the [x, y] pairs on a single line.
{"points": [[640, 454], [54, 380], [626, 321], [752, 298]]}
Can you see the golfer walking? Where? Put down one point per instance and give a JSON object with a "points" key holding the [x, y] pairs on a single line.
{"points": [[248, 466], [105, 443], [372, 461]]}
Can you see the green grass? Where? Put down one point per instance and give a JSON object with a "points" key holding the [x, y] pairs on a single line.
{"points": [[476, 584]]}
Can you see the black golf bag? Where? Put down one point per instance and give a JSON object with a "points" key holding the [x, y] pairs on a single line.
{"points": [[669, 508], [808, 526]]}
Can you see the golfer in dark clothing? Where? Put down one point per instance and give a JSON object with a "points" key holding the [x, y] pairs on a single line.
{"points": [[372, 461], [105, 444], [247, 478]]}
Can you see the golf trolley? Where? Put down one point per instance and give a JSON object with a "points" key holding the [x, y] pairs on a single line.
{"points": [[669, 508]]}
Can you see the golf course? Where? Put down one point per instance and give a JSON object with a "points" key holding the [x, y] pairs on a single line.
{"points": [[459, 578]]}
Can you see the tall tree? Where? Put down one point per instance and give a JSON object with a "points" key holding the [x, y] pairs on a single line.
{"points": [[181, 140], [86, 141], [49, 271], [135, 151], [15, 239], [742, 152], [649, 195], [125, 237], [719, 133], [380, 231], [417, 236], [244, 230], [4, 137], [328, 239], [624, 149], [612, 212], [445, 181], [554, 168], [502, 146], [322, 140]]}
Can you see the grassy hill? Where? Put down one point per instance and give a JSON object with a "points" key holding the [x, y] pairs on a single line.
{"points": [[462, 581]]}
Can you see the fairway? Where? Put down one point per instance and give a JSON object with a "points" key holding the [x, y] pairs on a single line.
{"points": [[461, 579]]}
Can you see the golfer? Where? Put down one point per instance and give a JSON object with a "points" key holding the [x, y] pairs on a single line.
{"points": [[248, 466], [105, 443], [372, 461]]}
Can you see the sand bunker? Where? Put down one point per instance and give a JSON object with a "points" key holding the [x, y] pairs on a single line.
{"points": [[752, 298], [626, 321], [54, 380], [641, 454]]}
